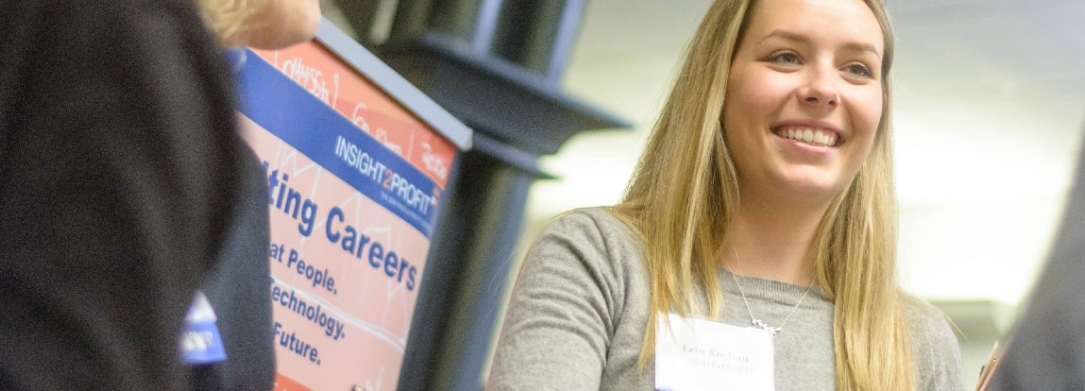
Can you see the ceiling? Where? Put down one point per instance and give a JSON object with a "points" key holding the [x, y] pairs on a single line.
{"points": [[989, 97]]}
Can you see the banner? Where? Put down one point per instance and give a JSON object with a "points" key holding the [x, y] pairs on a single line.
{"points": [[355, 179]]}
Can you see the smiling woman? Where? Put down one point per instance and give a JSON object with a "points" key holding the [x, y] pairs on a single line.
{"points": [[755, 248]]}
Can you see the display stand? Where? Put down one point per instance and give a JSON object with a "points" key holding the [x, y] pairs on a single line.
{"points": [[357, 161]]}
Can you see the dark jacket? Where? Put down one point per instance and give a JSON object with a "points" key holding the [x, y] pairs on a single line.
{"points": [[121, 177], [1046, 350]]}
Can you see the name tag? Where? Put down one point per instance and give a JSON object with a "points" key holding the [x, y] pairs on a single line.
{"points": [[702, 355], [201, 342]]}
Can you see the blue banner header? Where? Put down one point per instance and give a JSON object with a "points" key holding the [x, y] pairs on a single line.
{"points": [[294, 115]]}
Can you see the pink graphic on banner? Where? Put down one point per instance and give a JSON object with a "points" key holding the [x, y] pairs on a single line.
{"points": [[344, 295]]}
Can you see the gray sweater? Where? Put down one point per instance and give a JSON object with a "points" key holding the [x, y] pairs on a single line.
{"points": [[578, 312]]}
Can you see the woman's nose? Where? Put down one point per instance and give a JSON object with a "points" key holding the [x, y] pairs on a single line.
{"points": [[820, 90]]}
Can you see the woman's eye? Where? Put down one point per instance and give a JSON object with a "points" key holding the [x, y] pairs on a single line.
{"points": [[784, 58], [860, 70]]}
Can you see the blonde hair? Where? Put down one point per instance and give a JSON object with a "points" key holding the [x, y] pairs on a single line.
{"points": [[230, 20], [684, 194]]}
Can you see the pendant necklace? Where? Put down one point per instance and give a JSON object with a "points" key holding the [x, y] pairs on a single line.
{"points": [[758, 322]]}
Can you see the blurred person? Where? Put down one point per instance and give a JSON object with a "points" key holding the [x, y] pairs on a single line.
{"points": [[237, 294], [762, 213], [1045, 351], [124, 186]]}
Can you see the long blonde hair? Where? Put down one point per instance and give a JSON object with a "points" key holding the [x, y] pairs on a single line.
{"points": [[684, 194], [229, 20]]}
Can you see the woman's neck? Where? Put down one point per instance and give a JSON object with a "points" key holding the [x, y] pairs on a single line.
{"points": [[775, 243]]}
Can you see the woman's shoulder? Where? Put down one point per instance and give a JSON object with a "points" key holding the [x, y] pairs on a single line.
{"points": [[929, 325], [592, 240], [600, 216], [936, 352], [924, 315], [595, 226]]}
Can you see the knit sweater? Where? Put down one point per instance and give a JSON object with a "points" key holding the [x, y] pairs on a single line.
{"points": [[578, 312]]}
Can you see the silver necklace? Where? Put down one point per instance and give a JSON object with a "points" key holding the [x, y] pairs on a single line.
{"points": [[757, 321]]}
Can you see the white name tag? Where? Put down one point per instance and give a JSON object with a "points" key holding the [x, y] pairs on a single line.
{"points": [[702, 355]]}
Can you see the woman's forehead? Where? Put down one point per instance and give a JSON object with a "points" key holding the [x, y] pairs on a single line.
{"points": [[850, 22]]}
